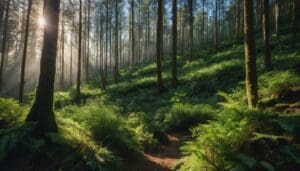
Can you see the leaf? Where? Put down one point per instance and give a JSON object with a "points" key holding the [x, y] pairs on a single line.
{"points": [[268, 166]]}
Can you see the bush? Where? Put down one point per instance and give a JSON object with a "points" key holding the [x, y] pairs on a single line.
{"points": [[106, 127], [183, 116], [11, 113]]}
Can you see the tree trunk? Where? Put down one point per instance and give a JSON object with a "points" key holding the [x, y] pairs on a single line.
{"points": [[78, 93], [62, 52], [23, 65], [159, 42], [87, 72], [277, 18], [132, 34], [266, 29], [216, 26], [250, 54], [190, 3], [116, 70], [4, 41], [174, 44], [296, 15], [238, 19], [42, 109]]}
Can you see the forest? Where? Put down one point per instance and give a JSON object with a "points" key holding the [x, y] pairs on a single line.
{"points": [[149, 85]]}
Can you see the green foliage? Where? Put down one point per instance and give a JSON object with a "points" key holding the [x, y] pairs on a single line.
{"points": [[275, 83], [105, 126], [182, 116], [11, 113]]}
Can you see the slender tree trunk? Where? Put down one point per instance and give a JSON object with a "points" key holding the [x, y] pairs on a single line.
{"points": [[42, 109], [216, 25], [174, 44], [237, 23], [250, 54], [190, 3], [71, 60], [62, 52], [88, 43], [2, 8], [23, 65], [4, 42], [266, 29], [203, 22], [159, 42], [132, 34], [78, 91], [277, 18], [296, 14], [116, 70]]}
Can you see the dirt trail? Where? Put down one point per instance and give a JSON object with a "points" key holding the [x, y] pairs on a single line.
{"points": [[162, 161]]}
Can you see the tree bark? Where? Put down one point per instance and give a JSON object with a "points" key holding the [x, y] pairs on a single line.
{"points": [[4, 41], [23, 65], [174, 44], [116, 69], [266, 29], [42, 109], [277, 18], [78, 91], [250, 54], [159, 42], [190, 4], [238, 19]]}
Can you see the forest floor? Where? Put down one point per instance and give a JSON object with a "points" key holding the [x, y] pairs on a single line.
{"points": [[165, 159]]}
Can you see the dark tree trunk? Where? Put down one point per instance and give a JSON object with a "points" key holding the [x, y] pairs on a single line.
{"points": [[87, 72], [78, 93], [266, 29], [277, 18], [132, 34], [42, 109], [62, 52], [174, 44], [296, 15], [4, 41], [216, 26], [116, 69], [23, 65], [159, 42], [250, 54], [238, 19], [190, 4]]}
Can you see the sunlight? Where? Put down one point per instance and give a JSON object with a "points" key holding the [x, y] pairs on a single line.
{"points": [[42, 21]]}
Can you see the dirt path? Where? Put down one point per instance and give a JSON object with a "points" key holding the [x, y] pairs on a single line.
{"points": [[162, 161]]}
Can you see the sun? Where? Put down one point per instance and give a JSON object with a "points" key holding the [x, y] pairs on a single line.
{"points": [[42, 21]]}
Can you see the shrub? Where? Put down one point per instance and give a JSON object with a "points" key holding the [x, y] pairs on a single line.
{"points": [[106, 127], [11, 113], [183, 116]]}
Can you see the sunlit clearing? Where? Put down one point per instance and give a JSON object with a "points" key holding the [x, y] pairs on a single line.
{"points": [[42, 21]]}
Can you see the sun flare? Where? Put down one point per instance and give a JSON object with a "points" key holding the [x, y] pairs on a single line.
{"points": [[42, 21]]}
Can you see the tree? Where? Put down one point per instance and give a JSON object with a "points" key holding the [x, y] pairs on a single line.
{"points": [[78, 93], [216, 25], [132, 33], [266, 32], [250, 54], [42, 109], [191, 18], [296, 6], [174, 43], [116, 69], [237, 23], [159, 40], [23, 65], [277, 18], [4, 41]]}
